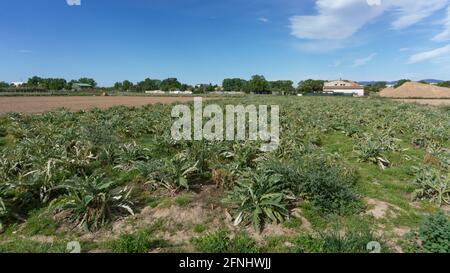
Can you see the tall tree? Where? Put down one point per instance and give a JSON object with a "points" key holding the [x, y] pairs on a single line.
{"points": [[118, 86], [88, 81], [259, 85], [4, 85], [34, 81], [375, 87], [310, 86], [148, 85], [170, 84], [127, 85], [234, 84], [282, 87]]}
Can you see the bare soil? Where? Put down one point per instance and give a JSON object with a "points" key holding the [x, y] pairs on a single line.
{"points": [[43, 104], [415, 90]]}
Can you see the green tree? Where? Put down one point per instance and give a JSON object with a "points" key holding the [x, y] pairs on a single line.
{"points": [[170, 84], [34, 81], [56, 84], [401, 82], [186, 87], [118, 86], [88, 81], [375, 87], [444, 84], [234, 84], [258, 85], [148, 85], [282, 87], [69, 85], [127, 85], [4, 85], [310, 86]]}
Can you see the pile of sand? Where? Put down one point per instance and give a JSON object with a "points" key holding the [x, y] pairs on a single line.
{"points": [[416, 90]]}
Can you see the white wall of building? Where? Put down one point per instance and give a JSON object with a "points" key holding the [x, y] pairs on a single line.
{"points": [[358, 91]]}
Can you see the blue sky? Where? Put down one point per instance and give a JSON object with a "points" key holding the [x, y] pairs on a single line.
{"points": [[201, 41]]}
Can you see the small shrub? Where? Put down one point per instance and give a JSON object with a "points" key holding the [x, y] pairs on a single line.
{"points": [[435, 233], [432, 185], [92, 201], [259, 197], [172, 174], [370, 148], [323, 180], [3, 132], [328, 185]]}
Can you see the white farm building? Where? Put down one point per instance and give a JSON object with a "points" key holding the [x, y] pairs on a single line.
{"points": [[346, 87]]}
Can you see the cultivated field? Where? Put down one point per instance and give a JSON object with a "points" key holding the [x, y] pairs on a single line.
{"points": [[76, 103], [434, 102], [347, 172]]}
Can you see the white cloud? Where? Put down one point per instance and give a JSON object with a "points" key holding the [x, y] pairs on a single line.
{"points": [[341, 19], [263, 19], [73, 2], [429, 55], [444, 35], [363, 61]]}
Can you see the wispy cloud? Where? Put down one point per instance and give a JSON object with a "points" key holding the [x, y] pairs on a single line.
{"points": [[445, 34], [363, 61], [73, 2], [263, 19], [429, 55], [25, 51], [341, 19]]}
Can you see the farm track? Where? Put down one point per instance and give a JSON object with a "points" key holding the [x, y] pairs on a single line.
{"points": [[36, 105]]}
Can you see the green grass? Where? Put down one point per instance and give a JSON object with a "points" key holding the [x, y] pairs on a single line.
{"points": [[184, 200], [40, 223], [28, 246], [153, 201], [139, 242], [221, 242], [199, 228]]}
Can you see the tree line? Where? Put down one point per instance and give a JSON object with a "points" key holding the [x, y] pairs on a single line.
{"points": [[50, 84], [256, 84], [169, 84]]}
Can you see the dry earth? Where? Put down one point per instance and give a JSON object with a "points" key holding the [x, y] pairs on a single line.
{"points": [[43, 104], [414, 90]]}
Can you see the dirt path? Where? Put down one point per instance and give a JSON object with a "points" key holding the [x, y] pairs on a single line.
{"points": [[43, 104]]}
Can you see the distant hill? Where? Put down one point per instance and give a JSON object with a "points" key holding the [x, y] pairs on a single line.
{"points": [[364, 83], [432, 81]]}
